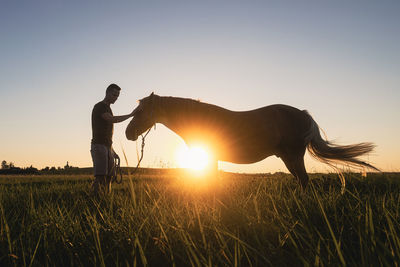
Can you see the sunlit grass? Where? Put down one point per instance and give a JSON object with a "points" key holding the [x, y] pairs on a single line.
{"points": [[245, 220]]}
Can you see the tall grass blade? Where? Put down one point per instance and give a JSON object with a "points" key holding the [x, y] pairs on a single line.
{"points": [[337, 245], [7, 229], [131, 188], [34, 253]]}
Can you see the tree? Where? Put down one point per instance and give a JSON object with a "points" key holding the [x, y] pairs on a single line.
{"points": [[4, 165]]}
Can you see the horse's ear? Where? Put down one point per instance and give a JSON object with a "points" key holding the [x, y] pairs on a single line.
{"points": [[152, 93]]}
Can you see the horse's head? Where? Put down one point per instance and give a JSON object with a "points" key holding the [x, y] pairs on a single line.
{"points": [[143, 119]]}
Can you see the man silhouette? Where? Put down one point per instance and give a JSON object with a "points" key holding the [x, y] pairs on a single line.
{"points": [[101, 150]]}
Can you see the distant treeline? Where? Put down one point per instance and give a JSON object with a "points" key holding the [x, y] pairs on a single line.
{"points": [[47, 170], [9, 168], [85, 171]]}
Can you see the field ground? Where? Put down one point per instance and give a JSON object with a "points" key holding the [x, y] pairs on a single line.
{"points": [[239, 220]]}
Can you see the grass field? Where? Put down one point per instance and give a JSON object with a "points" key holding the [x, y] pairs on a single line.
{"points": [[241, 220]]}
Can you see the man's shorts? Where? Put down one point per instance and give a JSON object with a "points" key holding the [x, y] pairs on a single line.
{"points": [[103, 159]]}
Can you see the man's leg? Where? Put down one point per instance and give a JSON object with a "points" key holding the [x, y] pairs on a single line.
{"points": [[107, 183], [110, 168], [100, 162], [99, 184]]}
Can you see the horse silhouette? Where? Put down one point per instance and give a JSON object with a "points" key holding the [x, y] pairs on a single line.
{"points": [[246, 136]]}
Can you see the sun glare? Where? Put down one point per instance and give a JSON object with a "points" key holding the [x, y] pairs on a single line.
{"points": [[194, 158]]}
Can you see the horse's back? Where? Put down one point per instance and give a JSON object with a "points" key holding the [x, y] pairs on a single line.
{"points": [[255, 134], [282, 124]]}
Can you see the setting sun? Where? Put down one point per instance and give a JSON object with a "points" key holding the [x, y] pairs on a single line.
{"points": [[195, 158]]}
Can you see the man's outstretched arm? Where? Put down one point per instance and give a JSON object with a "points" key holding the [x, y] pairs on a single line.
{"points": [[115, 119]]}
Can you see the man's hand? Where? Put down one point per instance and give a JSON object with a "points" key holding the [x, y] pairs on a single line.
{"points": [[115, 119]]}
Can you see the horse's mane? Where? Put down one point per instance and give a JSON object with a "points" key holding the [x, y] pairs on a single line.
{"points": [[189, 103], [180, 100]]}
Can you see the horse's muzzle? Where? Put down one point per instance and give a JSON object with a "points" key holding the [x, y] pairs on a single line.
{"points": [[131, 135]]}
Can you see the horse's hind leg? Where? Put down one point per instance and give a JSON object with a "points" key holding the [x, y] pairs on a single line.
{"points": [[295, 165]]}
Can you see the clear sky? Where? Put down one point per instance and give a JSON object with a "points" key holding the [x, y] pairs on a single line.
{"points": [[338, 59]]}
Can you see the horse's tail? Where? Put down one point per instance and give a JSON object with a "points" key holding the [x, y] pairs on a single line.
{"points": [[330, 153]]}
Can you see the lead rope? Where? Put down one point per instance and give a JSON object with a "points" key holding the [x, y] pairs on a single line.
{"points": [[117, 171], [141, 150], [117, 161]]}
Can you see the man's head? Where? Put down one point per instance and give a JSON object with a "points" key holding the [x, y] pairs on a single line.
{"points": [[112, 93]]}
